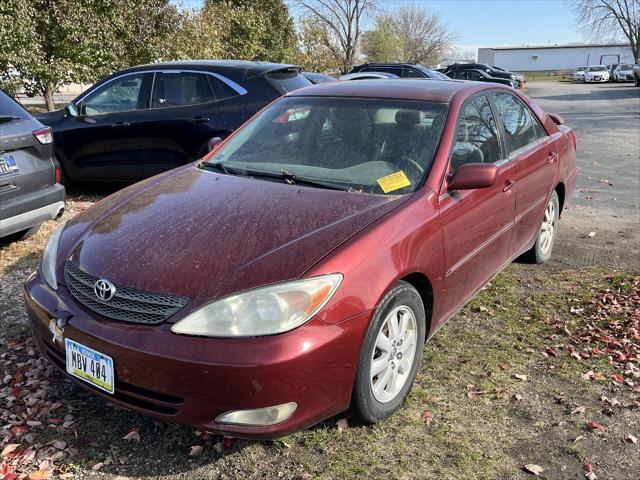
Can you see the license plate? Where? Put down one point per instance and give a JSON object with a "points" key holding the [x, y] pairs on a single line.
{"points": [[93, 367], [8, 166], [598, 79]]}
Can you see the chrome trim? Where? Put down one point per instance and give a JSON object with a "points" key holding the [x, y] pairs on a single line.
{"points": [[528, 147], [239, 89], [528, 210], [476, 250]]}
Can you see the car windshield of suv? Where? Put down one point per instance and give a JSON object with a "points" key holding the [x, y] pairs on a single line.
{"points": [[356, 144]]}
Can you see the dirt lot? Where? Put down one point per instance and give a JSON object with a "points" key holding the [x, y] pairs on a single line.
{"points": [[542, 368]]}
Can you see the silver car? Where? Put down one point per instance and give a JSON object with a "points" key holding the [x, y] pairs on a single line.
{"points": [[30, 190]]}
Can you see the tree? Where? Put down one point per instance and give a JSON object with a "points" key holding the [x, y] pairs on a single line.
{"points": [[314, 53], [610, 18], [64, 41], [408, 34], [381, 44], [240, 29], [343, 20]]}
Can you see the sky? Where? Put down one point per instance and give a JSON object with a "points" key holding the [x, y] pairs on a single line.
{"points": [[494, 23]]}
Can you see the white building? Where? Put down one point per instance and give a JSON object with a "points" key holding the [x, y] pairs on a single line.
{"points": [[557, 57]]}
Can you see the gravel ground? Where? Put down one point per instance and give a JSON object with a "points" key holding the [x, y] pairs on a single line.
{"points": [[539, 370]]}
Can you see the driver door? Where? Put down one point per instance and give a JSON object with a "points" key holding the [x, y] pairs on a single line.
{"points": [[102, 143]]}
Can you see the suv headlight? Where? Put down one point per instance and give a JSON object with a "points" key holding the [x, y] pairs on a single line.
{"points": [[48, 262], [263, 311]]}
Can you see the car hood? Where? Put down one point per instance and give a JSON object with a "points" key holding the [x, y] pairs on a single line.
{"points": [[204, 235]]}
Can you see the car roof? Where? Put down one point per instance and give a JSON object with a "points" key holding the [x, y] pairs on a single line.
{"points": [[249, 68], [430, 89]]}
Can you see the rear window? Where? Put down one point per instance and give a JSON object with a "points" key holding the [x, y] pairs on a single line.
{"points": [[287, 80], [10, 108]]}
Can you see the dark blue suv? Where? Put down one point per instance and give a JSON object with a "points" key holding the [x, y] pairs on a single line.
{"points": [[148, 119]]}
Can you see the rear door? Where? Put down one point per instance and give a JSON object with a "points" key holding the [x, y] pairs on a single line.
{"points": [[26, 164], [102, 143], [534, 156]]}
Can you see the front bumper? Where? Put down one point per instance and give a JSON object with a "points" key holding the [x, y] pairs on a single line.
{"points": [[192, 380]]}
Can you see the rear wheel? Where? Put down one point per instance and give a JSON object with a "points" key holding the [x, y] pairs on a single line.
{"points": [[24, 234], [542, 249], [390, 355]]}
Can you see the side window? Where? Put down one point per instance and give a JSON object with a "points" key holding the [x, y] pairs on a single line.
{"points": [[180, 89], [121, 95], [220, 89], [520, 125], [473, 75], [407, 73], [476, 135]]}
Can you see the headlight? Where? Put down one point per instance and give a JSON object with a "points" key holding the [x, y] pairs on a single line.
{"points": [[263, 311], [48, 262]]}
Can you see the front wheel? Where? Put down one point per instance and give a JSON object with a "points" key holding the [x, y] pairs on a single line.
{"points": [[542, 249], [390, 356]]}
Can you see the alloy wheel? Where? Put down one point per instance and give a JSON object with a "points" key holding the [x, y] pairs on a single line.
{"points": [[394, 353], [548, 228]]}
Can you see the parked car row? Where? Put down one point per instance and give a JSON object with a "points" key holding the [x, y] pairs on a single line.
{"points": [[235, 294], [618, 72]]}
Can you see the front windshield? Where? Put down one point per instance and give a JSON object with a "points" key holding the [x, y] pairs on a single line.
{"points": [[625, 67], [359, 144], [597, 69]]}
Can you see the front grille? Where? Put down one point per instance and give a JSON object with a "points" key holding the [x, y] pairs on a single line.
{"points": [[127, 305]]}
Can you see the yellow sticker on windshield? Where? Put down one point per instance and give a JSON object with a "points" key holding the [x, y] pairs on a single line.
{"points": [[394, 181]]}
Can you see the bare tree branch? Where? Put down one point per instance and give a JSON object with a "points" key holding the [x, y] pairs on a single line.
{"points": [[607, 19], [343, 20]]}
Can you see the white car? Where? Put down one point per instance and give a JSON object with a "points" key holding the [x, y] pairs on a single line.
{"points": [[578, 74], [596, 74], [623, 73]]}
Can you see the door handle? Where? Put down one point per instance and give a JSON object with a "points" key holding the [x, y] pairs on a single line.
{"points": [[120, 124], [198, 120], [551, 157], [508, 184]]}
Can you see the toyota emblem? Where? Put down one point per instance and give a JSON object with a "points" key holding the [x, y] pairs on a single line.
{"points": [[104, 290]]}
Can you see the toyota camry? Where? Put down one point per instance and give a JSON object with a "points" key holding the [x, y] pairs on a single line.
{"points": [[298, 269]]}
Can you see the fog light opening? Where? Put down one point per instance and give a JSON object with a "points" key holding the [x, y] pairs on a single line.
{"points": [[258, 417]]}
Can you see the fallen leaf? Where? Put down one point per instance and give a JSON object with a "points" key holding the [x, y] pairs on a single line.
{"points": [[427, 417], [533, 468], [195, 450], [517, 397], [588, 376], [132, 435], [8, 449], [595, 426], [41, 474], [579, 409], [617, 377], [342, 424], [520, 377], [97, 466], [227, 442], [631, 439]]}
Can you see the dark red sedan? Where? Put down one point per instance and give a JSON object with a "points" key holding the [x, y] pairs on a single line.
{"points": [[300, 267]]}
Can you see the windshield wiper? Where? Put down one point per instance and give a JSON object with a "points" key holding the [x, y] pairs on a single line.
{"points": [[288, 177]]}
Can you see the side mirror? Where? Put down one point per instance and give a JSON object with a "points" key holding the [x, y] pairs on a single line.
{"points": [[557, 118], [70, 110], [214, 143], [473, 175]]}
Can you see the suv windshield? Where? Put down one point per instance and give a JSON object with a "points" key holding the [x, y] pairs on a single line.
{"points": [[365, 145]]}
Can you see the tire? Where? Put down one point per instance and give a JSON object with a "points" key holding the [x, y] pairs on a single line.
{"points": [[372, 404], [24, 234], [637, 81], [543, 248]]}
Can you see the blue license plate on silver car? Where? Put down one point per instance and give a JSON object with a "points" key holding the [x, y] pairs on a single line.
{"points": [[8, 166]]}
